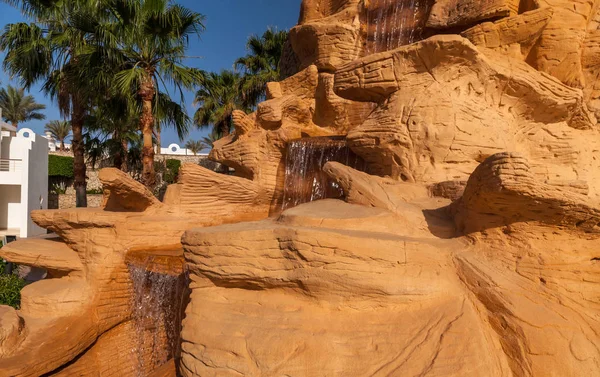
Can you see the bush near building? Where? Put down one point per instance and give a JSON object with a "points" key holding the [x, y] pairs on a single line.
{"points": [[60, 166], [10, 287]]}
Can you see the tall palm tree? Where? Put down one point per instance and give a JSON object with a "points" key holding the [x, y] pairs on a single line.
{"points": [[216, 99], [60, 130], [18, 107], [111, 127], [195, 146], [261, 65], [47, 51], [147, 40]]}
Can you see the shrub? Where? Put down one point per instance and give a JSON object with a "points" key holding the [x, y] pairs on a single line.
{"points": [[10, 290], [10, 287], [96, 191], [172, 171], [60, 166], [58, 188]]}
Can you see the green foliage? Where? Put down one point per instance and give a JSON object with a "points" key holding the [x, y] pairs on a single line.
{"points": [[18, 107], [59, 187], [60, 130], [96, 191], [172, 171], [195, 146], [10, 290], [220, 94], [10, 287], [217, 98], [261, 65], [60, 166]]}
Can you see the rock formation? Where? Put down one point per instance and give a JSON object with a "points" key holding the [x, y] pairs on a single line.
{"points": [[468, 246]]}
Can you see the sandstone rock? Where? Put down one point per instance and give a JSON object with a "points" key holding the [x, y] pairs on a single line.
{"points": [[516, 34], [270, 277], [591, 60], [502, 191], [559, 51], [335, 112], [469, 247], [11, 326], [452, 190], [303, 85], [327, 45], [312, 10], [124, 193], [90, 293], [289, 64], [51, 254], [304, 272], [451, 13], [439, 119]]}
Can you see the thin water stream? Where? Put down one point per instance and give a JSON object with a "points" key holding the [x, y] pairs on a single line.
{"points": [[305, 180], [394, 23], [160, 293]]}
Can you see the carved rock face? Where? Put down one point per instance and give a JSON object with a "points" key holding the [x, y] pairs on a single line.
{"points": [[431, 111], [500, 113], [331, 288], [492, 103], [444, 106]]}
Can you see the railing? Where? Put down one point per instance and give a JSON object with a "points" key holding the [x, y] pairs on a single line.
{"points": [[10, 165]]}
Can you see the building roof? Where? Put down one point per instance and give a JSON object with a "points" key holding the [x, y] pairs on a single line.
{"points": [[7, 127]]}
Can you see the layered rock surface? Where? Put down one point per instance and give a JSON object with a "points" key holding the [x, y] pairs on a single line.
{"points": [[468, 247], [392, 287], [79, 320], [499, 282]]}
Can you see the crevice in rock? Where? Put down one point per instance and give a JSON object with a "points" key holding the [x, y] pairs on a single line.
{"points": [[528, 5]]}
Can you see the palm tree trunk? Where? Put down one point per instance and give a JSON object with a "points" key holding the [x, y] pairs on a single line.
{"points": [[15, 125], [147, 92], [62, 145], [118, 158], [79, 168], [158, 142], [125, 148]]}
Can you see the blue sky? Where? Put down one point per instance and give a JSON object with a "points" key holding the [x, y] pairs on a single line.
{"points": [[229, 23]]}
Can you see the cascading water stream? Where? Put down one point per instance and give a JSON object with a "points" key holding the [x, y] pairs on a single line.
{"points": [[305, 180], [160, 294], [394, 23]]}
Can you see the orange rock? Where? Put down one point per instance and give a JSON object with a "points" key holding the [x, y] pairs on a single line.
{"points": [[468, 247]]}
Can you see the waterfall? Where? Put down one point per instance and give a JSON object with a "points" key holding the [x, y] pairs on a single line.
{"points": [[394, 23], [158, 302], [305, 180]]}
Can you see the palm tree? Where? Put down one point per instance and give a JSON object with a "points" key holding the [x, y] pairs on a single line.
{"points": [[216, 99], [195, 146], [47, 51], [147, 40], [18, 107], [60, 130], [261, 65], [111, 127]]}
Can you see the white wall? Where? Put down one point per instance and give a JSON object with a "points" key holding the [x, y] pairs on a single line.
{"points": [[5, 148], [35, 186], [175, 150], [31, 181], [10, 206]]}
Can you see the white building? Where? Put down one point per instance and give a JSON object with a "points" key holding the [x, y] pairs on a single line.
{"points": [[176, 150], [23, 180], [53, 144]]}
